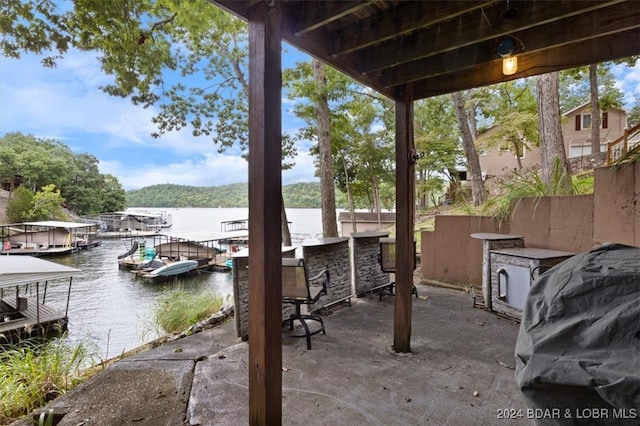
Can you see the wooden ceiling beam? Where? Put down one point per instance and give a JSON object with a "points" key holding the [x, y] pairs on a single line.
{"points": [[571, 55], [314, 44], [316, 14], [614, 19], [472, 28], [402, 20]]}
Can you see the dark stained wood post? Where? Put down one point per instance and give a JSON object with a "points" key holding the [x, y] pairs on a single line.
{"points": [[265, 187], [405, 204]]}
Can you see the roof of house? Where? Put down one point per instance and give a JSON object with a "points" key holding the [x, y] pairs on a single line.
{"points": [[586, 104]]}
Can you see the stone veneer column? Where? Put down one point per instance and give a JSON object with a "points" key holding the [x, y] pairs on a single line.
{"points": [[365, 251], [240, 271], [332, 254]]}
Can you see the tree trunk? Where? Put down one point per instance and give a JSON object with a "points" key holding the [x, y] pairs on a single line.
{"points": [[423, 202], [284, 224], [352, 205], [327, 188], [376, 197], [473, 161], [595, 109], [551, 141]]}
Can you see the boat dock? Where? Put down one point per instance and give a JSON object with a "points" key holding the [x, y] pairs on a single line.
{"points": [[47, 237], [130, 223], [23, 315], [211, 251], [26, 317]]}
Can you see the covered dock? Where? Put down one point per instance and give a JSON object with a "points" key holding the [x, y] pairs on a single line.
{"points": [[50, 237], [25, 314]]}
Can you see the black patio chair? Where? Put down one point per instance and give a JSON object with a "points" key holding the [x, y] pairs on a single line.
{"points": [[387, 259], [297, 289]]}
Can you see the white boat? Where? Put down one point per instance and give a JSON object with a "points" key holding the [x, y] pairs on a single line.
{"points": [[175, 268]]}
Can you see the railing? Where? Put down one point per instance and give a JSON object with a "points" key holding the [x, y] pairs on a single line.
{"points": [[625, 143]]}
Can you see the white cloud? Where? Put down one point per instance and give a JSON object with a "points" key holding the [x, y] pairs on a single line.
{"points": [[303, 171], [212, 170], [628, 81], [66, 104]]}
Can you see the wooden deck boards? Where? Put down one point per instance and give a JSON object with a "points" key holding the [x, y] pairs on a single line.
{"points": [[49, 317]]}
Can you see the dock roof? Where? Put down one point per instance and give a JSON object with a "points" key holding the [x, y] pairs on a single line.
{"points": [[58, 224], [18, 270]]}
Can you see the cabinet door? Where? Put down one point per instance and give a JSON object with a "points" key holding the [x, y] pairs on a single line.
{"points": [[513, 285]]}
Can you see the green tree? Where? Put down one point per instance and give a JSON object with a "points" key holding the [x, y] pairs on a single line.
{"points": [[554, 157], [468, 143], [114, 197], [595, 84], [83, 190], [42, 162], [47, 205], [146, 44], [26, 205], [20, 205], [633, 119], [511, 108], [358, 131], [437, 144]]}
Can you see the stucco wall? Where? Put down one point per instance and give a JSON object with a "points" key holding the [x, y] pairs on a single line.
{"points": [[572, 223], [558, 223], [449, 253], [615, 207]]}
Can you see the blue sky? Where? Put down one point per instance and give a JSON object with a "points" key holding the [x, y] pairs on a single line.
{"points": [[66, 104]]}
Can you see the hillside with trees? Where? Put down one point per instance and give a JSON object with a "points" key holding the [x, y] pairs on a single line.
{"points": [[298, 195], [44, 176]]}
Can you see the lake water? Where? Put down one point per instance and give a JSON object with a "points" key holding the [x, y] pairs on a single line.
{"points": [[112, 311]]}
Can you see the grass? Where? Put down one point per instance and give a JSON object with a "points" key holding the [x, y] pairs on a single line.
{"points": [[178, 310], [32, 373]]}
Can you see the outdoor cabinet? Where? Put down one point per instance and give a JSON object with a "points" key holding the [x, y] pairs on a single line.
{"points": [[513, 271]]}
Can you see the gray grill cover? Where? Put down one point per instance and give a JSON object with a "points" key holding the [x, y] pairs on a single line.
{"points": [[578, 348]]}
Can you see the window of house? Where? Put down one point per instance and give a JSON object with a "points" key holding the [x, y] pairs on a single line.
{"points": [[583, 121]]}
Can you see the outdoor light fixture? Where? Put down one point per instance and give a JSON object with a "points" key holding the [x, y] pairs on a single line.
{"points": [[509, 62], [509, 65]]}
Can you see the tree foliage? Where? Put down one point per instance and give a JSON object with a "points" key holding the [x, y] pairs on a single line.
{"points": [[361, 132], [437, 143], [43, 163], [27, 205], [298, 195]]}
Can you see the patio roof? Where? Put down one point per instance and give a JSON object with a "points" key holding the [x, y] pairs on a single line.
{"points": [[446, 46], [406, 50]]}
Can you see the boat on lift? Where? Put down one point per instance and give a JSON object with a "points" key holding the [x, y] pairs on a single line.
{"points": [[175, 268]]}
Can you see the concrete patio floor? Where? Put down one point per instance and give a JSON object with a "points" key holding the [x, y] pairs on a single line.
{"points": [[461, 372]]}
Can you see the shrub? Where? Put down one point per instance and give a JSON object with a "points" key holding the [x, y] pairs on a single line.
{"points": [[177, 310], [32, 373]]}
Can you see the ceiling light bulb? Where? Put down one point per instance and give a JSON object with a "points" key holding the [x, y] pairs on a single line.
{"points": [[509, 65]]}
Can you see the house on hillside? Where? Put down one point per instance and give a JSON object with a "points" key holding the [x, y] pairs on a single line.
{"points": [[576, 130]]}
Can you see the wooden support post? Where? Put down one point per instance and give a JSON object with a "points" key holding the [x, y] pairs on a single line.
{"points": [[405, 204], [265, 188]]}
